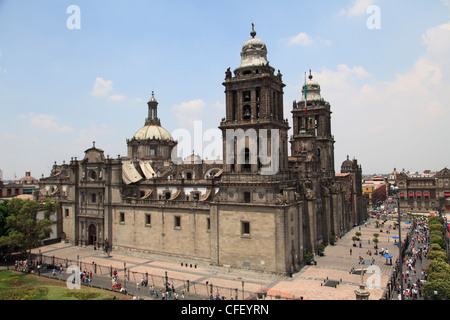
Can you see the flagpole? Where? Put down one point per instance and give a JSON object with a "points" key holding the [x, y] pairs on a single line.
{"points": [[305, 93]]}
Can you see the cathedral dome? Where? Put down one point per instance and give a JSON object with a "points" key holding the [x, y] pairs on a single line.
{"points": [[254, 52], [346, 165], [152, 132], [312, 90]]}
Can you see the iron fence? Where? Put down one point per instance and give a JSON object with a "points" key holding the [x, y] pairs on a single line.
{"points": [[134, 281]]}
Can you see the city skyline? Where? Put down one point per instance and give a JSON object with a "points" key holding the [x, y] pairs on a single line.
{"points": [[64, 85]]}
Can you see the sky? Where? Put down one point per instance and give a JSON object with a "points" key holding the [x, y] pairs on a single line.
{"points": [[74, 72]]}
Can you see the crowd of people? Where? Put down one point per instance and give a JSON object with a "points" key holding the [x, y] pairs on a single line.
{"points": [[415, 253]]}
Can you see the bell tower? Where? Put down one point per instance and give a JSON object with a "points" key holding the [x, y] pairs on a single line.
{"points": [[255, 217], [312, 128], [254, 129]]}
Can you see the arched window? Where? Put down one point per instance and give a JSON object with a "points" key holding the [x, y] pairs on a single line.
{"points": [[247, 111], [247, 165]]}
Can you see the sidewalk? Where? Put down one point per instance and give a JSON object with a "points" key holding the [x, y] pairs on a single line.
{"points": [[331, 279], [336, 276]]}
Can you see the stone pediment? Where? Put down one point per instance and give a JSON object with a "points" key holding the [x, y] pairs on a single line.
{"points": [[443, 173]]}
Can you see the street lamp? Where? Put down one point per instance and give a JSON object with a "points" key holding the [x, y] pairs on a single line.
{"points": [[400, 256]]}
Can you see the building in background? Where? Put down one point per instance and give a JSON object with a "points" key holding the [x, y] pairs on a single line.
{"points": [[424, 193], [375, 189], [26, 187]]}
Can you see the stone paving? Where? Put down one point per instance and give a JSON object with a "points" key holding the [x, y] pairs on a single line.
{"points": [[309, 283]]}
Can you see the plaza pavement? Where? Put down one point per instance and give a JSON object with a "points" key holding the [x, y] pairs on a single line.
{"points": [[309, 283]]}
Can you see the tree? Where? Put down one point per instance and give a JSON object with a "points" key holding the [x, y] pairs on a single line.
{"points": [[23, 230], [438, 287], [437, 266], [437, 255], [437, 240]]}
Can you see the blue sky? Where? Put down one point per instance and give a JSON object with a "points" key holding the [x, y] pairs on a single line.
{"points": [[61, 88]]}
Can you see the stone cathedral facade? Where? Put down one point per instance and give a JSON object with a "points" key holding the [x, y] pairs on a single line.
{"points": [[245, 211]]}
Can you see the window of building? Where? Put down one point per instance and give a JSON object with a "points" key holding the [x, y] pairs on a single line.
{"points": [[247, 96], [189, 175], [167, 195], [247, 165], [208, 224], [93, 198], [148, 219], [177, 222], [153, 151], [247, 197], [196, 196], [247, 111], [66, 212], [245, 228], [122, 217]]}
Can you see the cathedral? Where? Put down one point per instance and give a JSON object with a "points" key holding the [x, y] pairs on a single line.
{"points": [[260, 208]]}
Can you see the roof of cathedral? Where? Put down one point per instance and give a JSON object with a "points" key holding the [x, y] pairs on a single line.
{"points": [[152, 132], [347, 162], [254, 52], [312, 89], [152, 128]]}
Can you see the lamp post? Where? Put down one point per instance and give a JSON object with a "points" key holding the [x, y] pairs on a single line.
{"points": [[400, 256]]}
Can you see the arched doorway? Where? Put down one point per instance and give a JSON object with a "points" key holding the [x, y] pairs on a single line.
{"points": [[92, 235]]}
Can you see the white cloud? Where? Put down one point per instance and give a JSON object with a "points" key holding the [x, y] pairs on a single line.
{"points": [[358, 8], [117, 97], [93, 133], [47, 122], [219, 106], [404, 118], [303, 39], [102, 87], [188, 112]]}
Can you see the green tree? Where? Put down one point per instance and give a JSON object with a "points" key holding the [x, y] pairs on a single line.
{"points": [[437, 287], [437, 266], [437, 240], [437, 255], [4, 212], [24, 231]]}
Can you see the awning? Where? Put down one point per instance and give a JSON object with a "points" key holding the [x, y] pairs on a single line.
{"points": [[402, 194], [447, 194], [426, 194], [54, 192], [147, 194], [175, 195], [206, 196], [147, 169], [418, 194], [411, 194], [129, 173]]}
